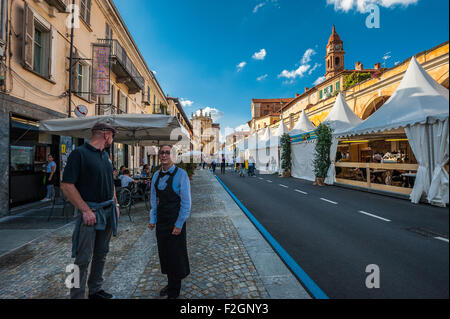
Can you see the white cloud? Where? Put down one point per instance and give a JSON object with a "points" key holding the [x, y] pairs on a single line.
{"points": [[255, 9], [362, 5], [262, 77], [317, 65], [215, 113], [299, 72], [260, 55], [154, 72], [186, 103], [307, 56], [319, 80], [241, 65], [275, 3]]}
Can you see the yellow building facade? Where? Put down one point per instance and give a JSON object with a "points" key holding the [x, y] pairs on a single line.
{"points": [[35, 41]]}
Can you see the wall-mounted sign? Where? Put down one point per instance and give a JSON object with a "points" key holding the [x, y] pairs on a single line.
{"points": [[304, 137], [101, 69], [81, 111]]}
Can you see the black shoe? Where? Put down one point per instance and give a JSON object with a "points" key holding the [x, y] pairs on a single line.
{"points": [[173, 297], [164, 291], [101, 295]]}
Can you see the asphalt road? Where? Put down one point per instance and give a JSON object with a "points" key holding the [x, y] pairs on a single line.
{"points": [[334, 233]]}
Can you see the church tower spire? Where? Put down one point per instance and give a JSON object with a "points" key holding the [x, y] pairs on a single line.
{"points": [[334, 59]]}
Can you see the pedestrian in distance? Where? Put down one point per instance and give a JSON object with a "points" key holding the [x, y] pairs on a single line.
{"points": [[88, 184], [222, 167], [213, 166], [170, 208], [50, 178]]}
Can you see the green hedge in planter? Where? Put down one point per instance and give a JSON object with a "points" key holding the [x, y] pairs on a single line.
{"points": [[285, 143], [322, 153]]}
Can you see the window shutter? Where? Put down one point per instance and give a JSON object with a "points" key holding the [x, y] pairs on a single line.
{"points": [[52, 54], [93, 96], [28, 37], [74, 70], [88, 12]]}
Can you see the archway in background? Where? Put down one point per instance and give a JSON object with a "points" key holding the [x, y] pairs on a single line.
{"points": [[374, 105]]}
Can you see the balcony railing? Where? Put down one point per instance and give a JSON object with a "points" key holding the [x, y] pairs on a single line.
{"points": [[123, 67]]}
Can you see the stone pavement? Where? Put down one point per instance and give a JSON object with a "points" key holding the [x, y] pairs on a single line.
{"points": [[229, 258]]}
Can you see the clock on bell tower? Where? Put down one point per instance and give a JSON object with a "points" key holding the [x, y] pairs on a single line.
{"points": [[334, 59]]}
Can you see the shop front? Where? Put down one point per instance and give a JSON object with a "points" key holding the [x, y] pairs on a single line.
{"points": [[28, 159]]}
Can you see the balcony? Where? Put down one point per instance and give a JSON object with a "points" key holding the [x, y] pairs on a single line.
{"points": [[60, 5], [124, 69]]}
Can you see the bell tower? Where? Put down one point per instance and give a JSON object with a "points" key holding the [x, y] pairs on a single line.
{"points": [[334, 59]]}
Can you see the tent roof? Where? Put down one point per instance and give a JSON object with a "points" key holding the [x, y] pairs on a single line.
{"points": [[143, 129], [282, 129], [341, 117], [418, 99], [267, 134], [303, 125]]}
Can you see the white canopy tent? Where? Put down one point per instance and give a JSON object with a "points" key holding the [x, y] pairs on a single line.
{"points": [[303, 152], [281, 130], [420, 106], [340, 118]]}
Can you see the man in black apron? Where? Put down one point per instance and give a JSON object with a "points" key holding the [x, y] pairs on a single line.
{"points": [[171, 204]]}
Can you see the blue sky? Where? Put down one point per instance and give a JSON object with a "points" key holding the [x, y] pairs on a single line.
{"points": [[195, 46]]}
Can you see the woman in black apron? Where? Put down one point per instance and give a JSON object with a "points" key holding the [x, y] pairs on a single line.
{"points": [[172, 249]]}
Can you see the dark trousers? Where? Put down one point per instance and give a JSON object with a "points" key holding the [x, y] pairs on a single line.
{"points": [[174, 286], [222, 168], [93, 246]]}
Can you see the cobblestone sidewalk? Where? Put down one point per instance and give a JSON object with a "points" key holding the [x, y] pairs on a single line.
{"points": [[228, 257]]}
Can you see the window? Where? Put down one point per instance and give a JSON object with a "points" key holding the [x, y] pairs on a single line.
{"points": [[338, 86], [266, 112], [122, 103], [109, 32], [85, 10], [82, 80], [336, 62], [38, 47], [320, 94]]}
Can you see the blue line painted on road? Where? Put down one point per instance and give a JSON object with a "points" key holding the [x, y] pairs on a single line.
{"points": [[295, 268]]}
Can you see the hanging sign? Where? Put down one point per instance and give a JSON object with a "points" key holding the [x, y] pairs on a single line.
{"points": [[304, 137], [101, 69]]}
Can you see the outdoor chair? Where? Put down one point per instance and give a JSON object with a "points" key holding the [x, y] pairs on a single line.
{"points": [[59, 199]]}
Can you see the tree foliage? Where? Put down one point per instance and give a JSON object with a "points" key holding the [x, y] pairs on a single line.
{"points": [[355, 78]]}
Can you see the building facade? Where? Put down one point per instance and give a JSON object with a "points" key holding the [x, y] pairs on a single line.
{"points": [[206, 137], [364, 97], [35, 72]]}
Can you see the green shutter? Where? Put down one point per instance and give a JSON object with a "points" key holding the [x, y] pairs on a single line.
{"points": [[331, 88], [338, 86], [320, 94]]}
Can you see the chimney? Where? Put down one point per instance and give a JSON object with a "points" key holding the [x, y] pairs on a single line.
{"points": [[297, 95], [359, 66], [306, 89], [377, 66]]}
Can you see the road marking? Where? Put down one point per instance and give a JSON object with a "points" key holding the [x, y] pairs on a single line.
{"points": [[372, 215], [329, 201], [299, 191], [261, 178], [441, 238], [290, 262], [284, 186], [269, 181]]}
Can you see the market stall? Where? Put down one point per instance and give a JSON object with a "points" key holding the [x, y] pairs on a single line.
{"points": [[302, 148], [417, 114]]}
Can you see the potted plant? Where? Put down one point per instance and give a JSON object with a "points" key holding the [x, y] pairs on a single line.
{"points": [[322, 153], [285, 143]]}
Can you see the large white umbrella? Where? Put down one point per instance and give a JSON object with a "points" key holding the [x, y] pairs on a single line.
{"points": [[133, 129]]}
